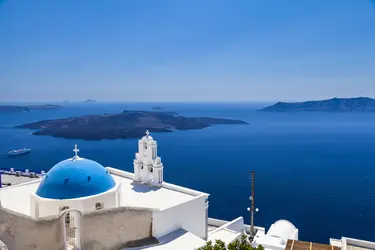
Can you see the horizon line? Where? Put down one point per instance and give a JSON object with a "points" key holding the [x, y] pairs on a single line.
{"points": [[179, 101]]}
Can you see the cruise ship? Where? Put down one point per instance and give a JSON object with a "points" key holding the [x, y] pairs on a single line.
{"points": [[19, 151]]}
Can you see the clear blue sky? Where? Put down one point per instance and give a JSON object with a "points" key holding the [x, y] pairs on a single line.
{"points": [[195, 50]]}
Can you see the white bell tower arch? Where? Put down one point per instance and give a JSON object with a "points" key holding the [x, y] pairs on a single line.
{"points": [[148, 167]]}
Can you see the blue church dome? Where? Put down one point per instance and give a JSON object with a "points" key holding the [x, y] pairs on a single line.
{"points": [[75, 178]]}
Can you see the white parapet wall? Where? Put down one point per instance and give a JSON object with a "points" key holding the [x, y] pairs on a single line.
{"points": [[183, 189], [236, 225], [246, 228], [216, 222], [190, 216], [258, 230], [120, 172], [164, 184], [335, 242], [227, 232], [345, 243]]}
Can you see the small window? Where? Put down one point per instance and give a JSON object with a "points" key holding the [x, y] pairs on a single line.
{"points": [[98, 206], [67, 216], [64, 208]]}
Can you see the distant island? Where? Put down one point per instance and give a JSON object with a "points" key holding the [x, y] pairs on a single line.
{"points": [[128, 124], [359, 104], [157, 108], [13, 108], [90, 100]]}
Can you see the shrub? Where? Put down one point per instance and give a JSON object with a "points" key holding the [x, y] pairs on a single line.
{"points": [[240, 244]]}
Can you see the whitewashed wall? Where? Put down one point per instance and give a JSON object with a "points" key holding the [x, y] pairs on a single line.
{"points": [[40, 207], [190, 216]]}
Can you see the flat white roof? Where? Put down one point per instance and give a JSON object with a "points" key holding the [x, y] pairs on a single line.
{"points": [[183, 240], [225, 235], [17, 197], [15, 180], [177, 240], [135, 194], [270, 241]]}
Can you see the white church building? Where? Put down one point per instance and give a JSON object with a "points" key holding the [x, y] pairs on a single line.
{"points": [[79, 204]]}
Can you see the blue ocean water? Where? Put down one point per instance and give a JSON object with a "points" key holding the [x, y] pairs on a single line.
{"points": [[314, 169]]}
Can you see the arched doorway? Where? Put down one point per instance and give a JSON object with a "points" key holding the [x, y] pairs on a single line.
{"points": [[71, 219]]}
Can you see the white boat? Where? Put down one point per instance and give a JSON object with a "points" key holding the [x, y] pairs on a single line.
{"points": [[19, 151]]}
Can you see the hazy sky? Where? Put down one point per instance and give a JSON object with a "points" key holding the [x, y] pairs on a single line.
{"points": [[193, 50]]}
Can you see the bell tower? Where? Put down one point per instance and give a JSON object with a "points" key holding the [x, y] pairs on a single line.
{"points": [[148, 167]]}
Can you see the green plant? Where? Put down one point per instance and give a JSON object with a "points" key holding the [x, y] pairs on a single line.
{"points": [[239, 244]]}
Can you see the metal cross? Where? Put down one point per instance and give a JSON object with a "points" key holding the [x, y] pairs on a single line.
{"points": [[147, 133], [76, 150]]}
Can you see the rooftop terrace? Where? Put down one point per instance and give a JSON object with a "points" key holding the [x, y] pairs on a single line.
{"points": [[303, 245], [134, 194]]}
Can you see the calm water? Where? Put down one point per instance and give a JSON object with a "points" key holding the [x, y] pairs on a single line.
{"points": [[314, 169]]}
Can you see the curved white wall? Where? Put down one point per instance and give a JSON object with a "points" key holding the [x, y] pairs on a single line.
{"points": [[41, 207], [283, 229]]}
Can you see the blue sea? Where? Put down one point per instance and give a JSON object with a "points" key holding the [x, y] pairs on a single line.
{"points": [[315, 169]]}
